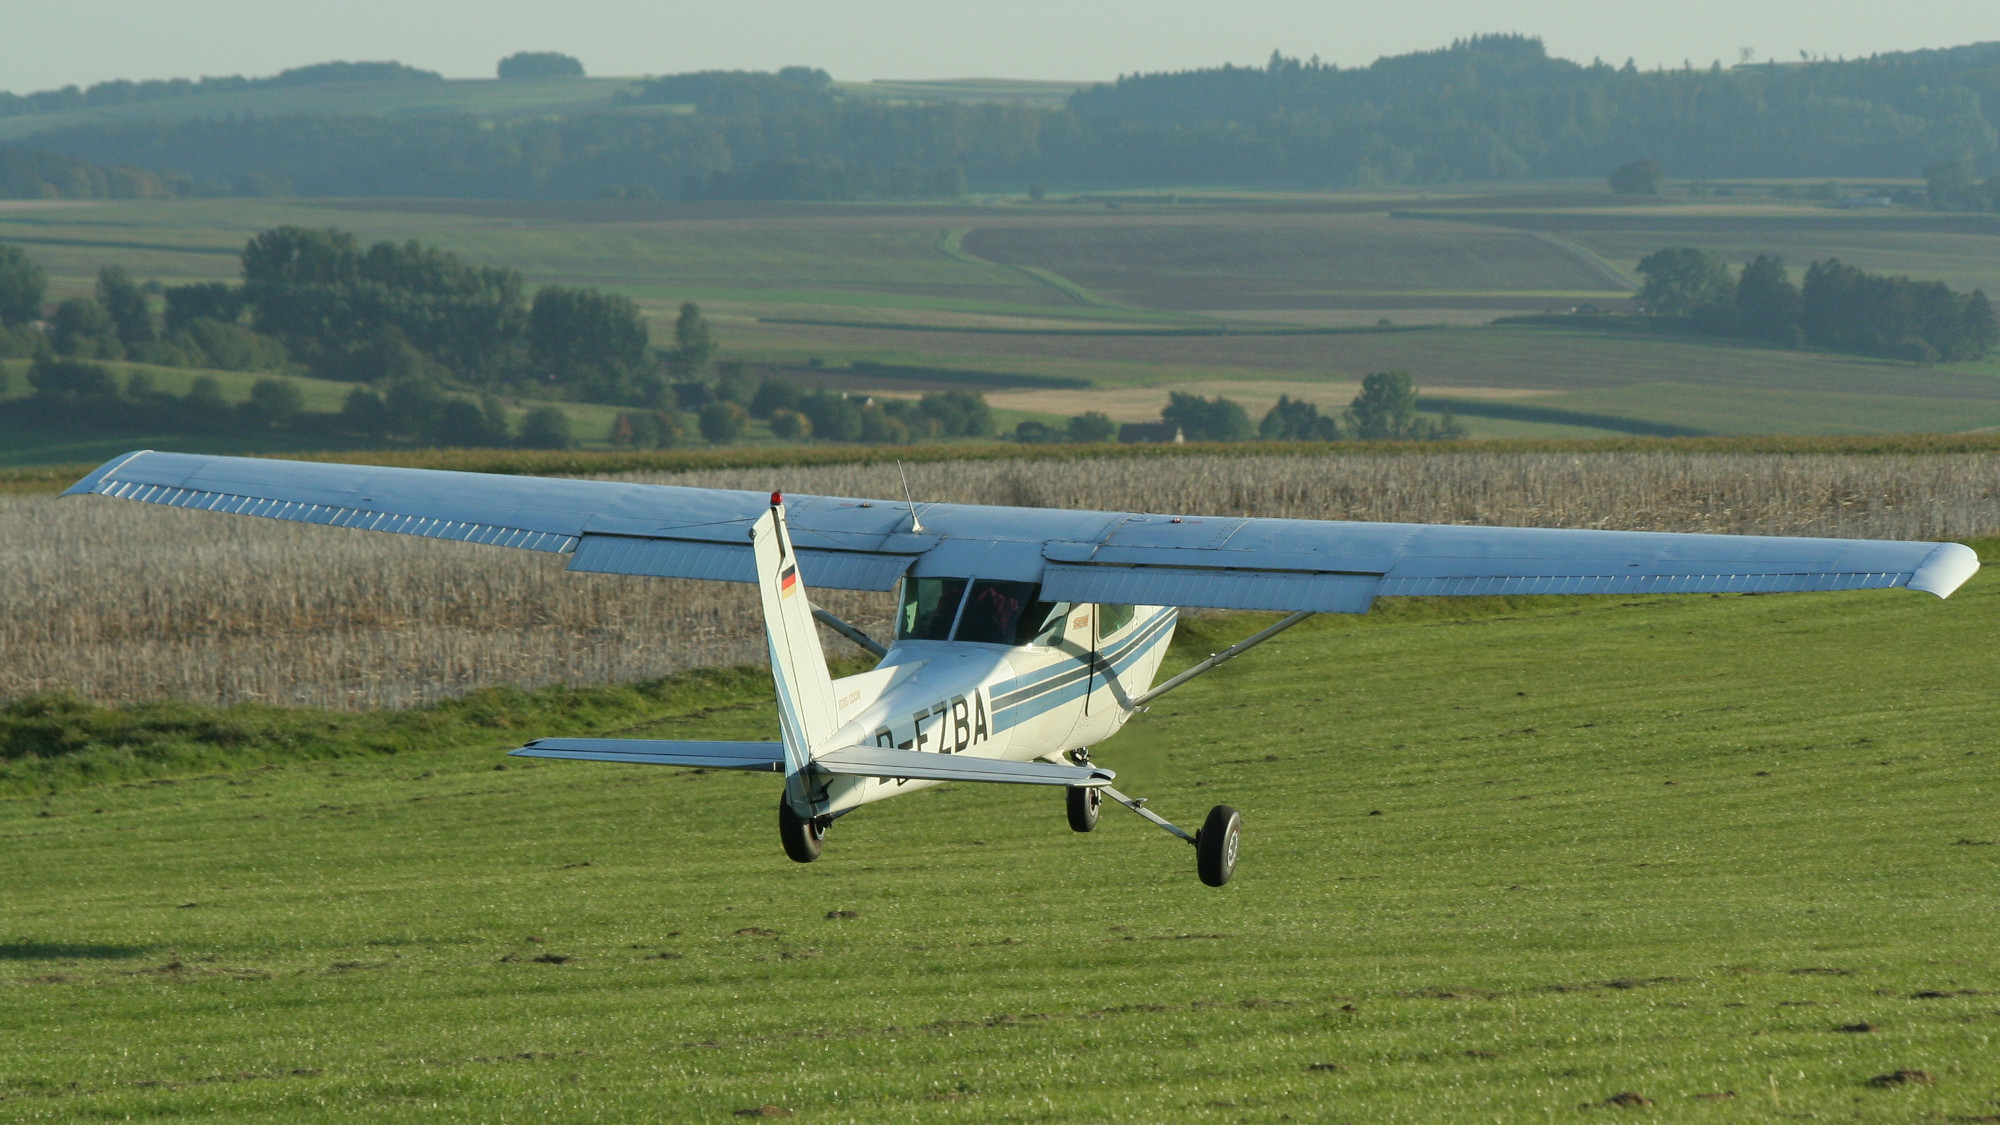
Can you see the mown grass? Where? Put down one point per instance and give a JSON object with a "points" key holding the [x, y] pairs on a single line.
{"points": [[1502, 861], [55, 743]]}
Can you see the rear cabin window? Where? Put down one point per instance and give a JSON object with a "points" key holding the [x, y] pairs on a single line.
{"points": [[930, 605], [1111, 618]]}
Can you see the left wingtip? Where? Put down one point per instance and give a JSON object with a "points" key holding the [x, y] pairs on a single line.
{"points": [[89, 483], [1945, 569]]}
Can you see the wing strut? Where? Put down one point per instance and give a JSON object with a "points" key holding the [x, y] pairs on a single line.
{"points": [[849, 631], [1138, 805], [1217, 659]]}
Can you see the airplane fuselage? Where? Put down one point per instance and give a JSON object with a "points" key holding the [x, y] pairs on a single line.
{"points": [[1012, 702]]}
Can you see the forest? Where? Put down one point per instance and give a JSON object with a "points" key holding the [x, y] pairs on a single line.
{"points": [[1485, 108]]}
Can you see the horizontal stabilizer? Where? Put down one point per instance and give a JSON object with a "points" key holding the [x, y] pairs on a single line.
{"points": [[916, 765], [645, 751]]}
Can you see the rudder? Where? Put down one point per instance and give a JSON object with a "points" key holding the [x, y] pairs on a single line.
{"points": [[798, 663]]}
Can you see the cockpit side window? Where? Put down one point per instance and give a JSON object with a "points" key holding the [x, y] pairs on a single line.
{"points": [[993, 611], [1042, 624], [1111, 618], [929, 607]]}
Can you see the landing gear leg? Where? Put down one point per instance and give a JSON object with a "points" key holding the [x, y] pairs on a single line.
{"points": [[1215, 846], [800, 835]]}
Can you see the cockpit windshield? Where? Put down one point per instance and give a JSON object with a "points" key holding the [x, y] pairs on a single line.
{"points": [[985, 611], [930, 605], [993, 609]]}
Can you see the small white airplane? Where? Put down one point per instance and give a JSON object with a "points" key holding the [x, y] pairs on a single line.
{"points": [[1024, 636]]}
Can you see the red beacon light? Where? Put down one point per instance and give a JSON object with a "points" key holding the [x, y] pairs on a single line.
{"points": [[777, 498]]}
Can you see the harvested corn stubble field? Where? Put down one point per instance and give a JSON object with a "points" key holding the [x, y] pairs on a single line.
{"points": [[117, 602]]}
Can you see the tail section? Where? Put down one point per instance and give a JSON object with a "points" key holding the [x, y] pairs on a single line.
{"points": [[798, 664]]}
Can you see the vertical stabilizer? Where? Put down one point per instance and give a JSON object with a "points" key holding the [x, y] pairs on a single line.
{"points": [[798, 664]]}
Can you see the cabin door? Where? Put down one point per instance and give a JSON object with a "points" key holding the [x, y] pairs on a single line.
{"points": [[1083, 626]]}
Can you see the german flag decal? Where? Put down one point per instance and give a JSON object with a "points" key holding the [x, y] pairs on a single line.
{"points": [[788, 580]]}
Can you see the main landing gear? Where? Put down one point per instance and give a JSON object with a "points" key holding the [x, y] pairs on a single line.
{"points": [[802, 836], [1215, 845], [1084, 801]]}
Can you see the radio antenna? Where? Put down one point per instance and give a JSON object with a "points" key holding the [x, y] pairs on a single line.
{"points": [[916, 526]]}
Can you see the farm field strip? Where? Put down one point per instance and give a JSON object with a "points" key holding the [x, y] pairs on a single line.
{"points": [[1198, 266]]}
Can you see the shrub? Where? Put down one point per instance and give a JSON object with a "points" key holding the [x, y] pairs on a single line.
{"points": [[1092, 426], [790, 425], [272, 402], [546, 427], [721, 422], [69, 380]]}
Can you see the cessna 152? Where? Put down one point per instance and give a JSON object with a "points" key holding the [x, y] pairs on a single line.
{"points": [[1024, 636]]}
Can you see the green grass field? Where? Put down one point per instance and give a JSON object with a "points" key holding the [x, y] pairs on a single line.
{"points": [[1504, 861], [1198, 263]]}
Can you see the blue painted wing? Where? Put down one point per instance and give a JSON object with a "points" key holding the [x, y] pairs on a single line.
{"points": [[768, 756], [1221, 562]]}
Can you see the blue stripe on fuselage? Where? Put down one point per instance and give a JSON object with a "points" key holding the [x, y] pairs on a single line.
{"points": [[1073, 682], [1040, 677]]}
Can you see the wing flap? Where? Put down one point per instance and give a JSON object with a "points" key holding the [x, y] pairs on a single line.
{"points": [[1217, 588], [916, 765], [644, 751], [732, 562]]}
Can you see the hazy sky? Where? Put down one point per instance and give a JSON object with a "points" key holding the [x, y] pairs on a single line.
{"points": [[45, 44]]}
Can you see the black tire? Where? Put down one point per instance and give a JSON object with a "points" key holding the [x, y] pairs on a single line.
{"points": [[801, 836], [1215, 845], [1084, 802]]}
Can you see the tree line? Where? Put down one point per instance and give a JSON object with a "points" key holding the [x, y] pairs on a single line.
{"points": [[720, 412], [1837, 306], [121, 91], [1384, 410], [1954, 185], [408, 411], [1491, 107], [317, 302], [435, 343]]}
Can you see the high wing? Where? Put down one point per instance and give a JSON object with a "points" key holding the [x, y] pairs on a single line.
{"points": [[1224, 562], [653, 752]]}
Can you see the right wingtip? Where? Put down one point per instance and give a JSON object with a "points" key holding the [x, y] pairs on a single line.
{"points": [[1945, 569]]}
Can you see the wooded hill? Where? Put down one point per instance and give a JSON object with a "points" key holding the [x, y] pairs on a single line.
{"points": [[1490, 107]]}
